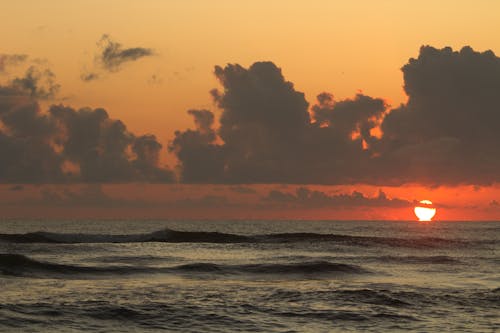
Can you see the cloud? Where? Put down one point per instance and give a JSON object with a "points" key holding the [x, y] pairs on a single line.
{"points": [[265, 131], [243, 189], [449, 130], [11, 60], [268, 136], [201, 158], [446, 134], [208, 200], [40, 84], [304, 197], [98, 196], [69, 145], [26, 135], [16, 188], [89, 76], [90, 195], [100, 146], [112, 56]]}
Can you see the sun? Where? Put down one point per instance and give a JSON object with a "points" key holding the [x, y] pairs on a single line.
{"points": [[425, 211]]}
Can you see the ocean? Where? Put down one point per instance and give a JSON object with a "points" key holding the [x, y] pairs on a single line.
{"points": [[249, 276]]}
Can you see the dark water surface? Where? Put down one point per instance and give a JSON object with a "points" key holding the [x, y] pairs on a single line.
{"points": [[249, 276]]}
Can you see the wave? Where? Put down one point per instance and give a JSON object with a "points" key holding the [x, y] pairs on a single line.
{"points": [[174, 236], [420, 259], [165, 235], [313, 267], [19, 265]]}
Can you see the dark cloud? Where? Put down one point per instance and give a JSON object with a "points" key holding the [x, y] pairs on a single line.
{"points": [[26, 136], [37, 83], [446, 134], [267, 135], [206, 201], [11, 60], [449, 130], [16, 188], [351, 119], [100, 147], [243, 189], [69, 145], [201, 158], [111, 57], [263, 123], [91, 195], [89, 76], [304, 197], [112, 54]]}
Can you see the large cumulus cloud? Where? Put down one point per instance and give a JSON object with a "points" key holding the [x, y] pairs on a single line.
{"points": [[266, 134], [265, 131], [447, 133], [68, 145]]}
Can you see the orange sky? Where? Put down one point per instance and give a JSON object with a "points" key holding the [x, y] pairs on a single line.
{"points": [[336, 46], [178, 201]]}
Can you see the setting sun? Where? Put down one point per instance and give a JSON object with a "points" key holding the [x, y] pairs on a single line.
{"points": [[425, 211]]}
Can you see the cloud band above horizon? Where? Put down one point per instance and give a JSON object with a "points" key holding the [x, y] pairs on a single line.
{"points": [[446, 134]]}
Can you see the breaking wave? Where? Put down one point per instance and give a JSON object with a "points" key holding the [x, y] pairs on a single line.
{"points": [[174, 236], [19, 265]]}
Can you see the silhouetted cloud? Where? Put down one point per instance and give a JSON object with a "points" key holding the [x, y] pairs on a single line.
{"points": [[112, 56], [68, 145], [25, 135], [266, 132], [201, 159], [208, 200], [39, 84], [99, 146], [449, 130], [267, 135], [305, 197], [446, 134], [11, 60], [91, 195], [16, 188], [243, 189], [89, 76]]}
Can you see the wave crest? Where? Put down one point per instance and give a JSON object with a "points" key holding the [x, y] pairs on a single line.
{"points": [[174, 236], [19, 265]]}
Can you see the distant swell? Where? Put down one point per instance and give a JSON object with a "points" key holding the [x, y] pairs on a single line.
{"points": [[313, 267], [19, 265], [166, 235], [420, 260], [174, 236]]}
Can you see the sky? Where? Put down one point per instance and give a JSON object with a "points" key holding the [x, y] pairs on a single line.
{"points": [[225, 109]]}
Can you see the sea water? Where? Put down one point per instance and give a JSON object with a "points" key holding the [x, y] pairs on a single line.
{"points": [[248, 276]]}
